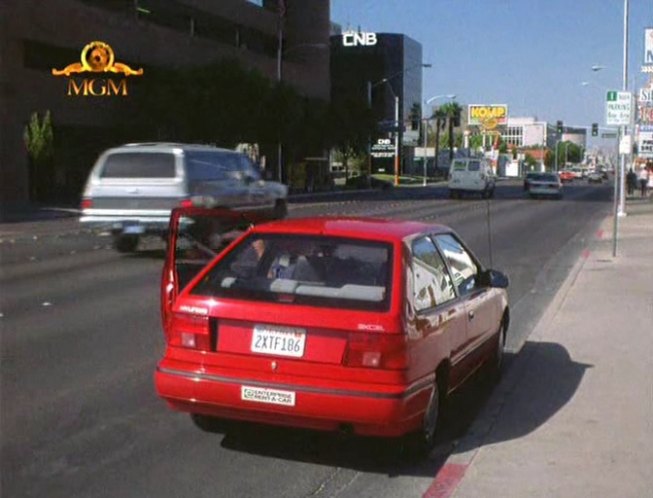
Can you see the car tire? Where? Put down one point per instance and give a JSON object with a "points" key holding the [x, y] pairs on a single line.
{"points": [[280, 209], [125, 243], [496, 363], [453, 194], [421, 442]]}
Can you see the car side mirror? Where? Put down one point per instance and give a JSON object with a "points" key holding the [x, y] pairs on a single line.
{"points": [[493, 278]]}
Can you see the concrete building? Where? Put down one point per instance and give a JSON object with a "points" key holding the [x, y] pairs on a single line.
{"points": [[577, 136], [38, 35], [360, 62], [525, 132]]}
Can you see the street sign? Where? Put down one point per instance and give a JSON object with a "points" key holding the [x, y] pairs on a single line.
{"points": [[626, 145], [383, 148], [645, 144], [608, 135], [618, 108]]}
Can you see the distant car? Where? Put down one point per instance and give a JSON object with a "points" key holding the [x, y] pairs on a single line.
{"points": [[566, 176], [471, 175], [545, 185], [132, 189], [595, 177], [577, 172], [351, 324]]}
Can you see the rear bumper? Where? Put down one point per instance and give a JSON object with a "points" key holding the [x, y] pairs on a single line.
{"points": [[136, 223], [369, 409], [544, 191]]}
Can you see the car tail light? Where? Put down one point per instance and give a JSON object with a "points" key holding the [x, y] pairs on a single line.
{"points": [[186, 203], [189, 331], [87, 203], [376, 350]]}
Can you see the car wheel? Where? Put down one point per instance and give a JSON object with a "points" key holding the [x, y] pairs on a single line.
{"points": [[421, 442], [125, 243], [496, 363], [452, 194], [280, 209]]}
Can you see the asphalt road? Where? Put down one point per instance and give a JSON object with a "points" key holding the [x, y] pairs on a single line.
{"points": [[81, 337]]}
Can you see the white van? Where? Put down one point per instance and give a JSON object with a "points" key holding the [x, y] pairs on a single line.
{"points": [[471, 175]]}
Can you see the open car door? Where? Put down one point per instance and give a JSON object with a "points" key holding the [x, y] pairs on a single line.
{"points": [[196, 235]]}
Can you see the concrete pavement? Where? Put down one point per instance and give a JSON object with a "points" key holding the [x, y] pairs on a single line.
{"points": [[573, 417]]}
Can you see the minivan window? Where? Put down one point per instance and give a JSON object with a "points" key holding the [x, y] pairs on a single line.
{"points": [[319, 271], [459, 165], [203, 166], [139, 165], [474, 166]]}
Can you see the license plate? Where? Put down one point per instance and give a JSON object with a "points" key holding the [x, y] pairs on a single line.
{"points": [[270, 396], [134, 229], [281, 341]]}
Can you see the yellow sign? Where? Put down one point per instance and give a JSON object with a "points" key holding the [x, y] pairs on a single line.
{"points": [[97, 58], [487, 116]]}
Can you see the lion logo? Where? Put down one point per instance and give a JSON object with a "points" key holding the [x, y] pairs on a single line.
{"points": [[97, 57]]}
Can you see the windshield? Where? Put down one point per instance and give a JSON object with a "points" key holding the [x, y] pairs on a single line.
{"points": [[318, 271]]}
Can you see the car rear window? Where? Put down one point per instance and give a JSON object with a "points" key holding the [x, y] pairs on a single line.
{"points": [[214, 166], [474, 166], [139, 165], [320, 271]]}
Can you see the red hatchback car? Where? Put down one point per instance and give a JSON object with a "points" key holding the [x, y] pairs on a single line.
{"points": [[353, 324]]}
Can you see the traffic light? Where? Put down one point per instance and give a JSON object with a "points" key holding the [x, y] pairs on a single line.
{"points": [[595, 129], [559, 128]]}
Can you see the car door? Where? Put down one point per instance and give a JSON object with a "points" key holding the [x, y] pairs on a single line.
{"points": [[195, 237], [482, 321], [436, 319], [260, 196]]}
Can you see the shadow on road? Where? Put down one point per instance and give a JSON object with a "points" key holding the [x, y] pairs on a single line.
{"points": [[559, 377]]}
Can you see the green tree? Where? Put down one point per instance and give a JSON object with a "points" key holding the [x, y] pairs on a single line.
{"points": [[452, 111], [39, 142]]}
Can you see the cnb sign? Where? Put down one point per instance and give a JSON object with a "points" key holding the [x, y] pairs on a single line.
{"points": [[97, 59], [487, 116], [353, 39]]}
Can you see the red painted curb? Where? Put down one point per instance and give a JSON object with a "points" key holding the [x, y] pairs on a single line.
{"points": [[446, 480]]}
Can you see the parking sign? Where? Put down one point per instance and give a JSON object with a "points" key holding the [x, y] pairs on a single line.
{"points": [[618, 108]]}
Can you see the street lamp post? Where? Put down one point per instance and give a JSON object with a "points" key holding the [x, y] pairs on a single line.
{"points": [[425, 131]]}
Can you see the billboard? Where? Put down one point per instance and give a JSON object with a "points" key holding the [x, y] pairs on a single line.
{"points": [[648, 46], [487, 116]]}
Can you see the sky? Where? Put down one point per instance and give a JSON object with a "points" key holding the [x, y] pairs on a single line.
{"points": [[532, 55]]}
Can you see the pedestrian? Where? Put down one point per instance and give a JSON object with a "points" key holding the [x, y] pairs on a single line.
{"points": [[643, 180], [631, 181]]}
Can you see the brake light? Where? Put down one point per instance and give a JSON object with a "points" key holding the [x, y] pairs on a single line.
{"points": [[186, 203], [189, 331], [87, 203], [376, 350]]}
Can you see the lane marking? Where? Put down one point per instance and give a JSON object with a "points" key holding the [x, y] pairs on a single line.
{"points": [[446, 480]]}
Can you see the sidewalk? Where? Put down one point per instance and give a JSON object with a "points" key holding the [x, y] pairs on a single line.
{"points": [[573, 417]]}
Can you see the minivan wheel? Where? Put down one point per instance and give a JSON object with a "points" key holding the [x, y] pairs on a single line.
{"points": [[125, 243]]}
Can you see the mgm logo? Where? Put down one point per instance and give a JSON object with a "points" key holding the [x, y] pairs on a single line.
{"points": [[97, 59]]}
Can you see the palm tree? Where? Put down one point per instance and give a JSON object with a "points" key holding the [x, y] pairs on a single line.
{"points": [[440, 118], [452, 112]]}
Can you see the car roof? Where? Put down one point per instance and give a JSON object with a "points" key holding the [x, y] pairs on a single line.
{"points": [[167, 147], [352, 227]]}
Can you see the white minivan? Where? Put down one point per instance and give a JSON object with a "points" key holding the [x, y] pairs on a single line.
{"points": [[473, 175]]}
